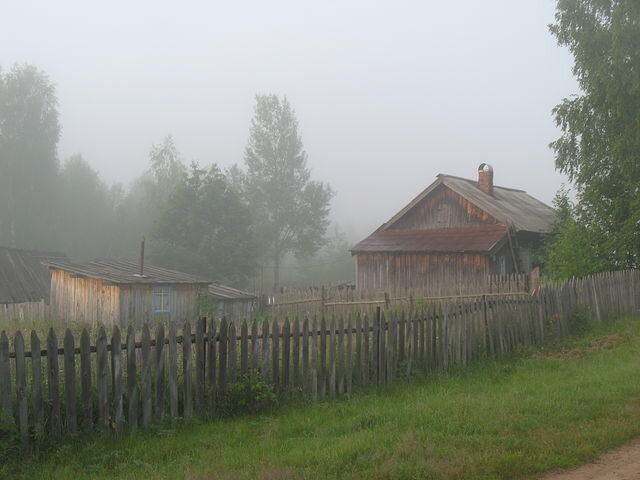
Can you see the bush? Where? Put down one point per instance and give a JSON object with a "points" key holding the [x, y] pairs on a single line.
{"points": [[579, 322], [251, 394]]}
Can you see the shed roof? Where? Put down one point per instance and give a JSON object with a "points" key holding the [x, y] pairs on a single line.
{"points": [[224, 292], [509, 206], [441, 240], [126, 272], [23, 278]]}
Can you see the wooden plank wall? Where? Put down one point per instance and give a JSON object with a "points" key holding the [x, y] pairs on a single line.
{"points": [[444, 208], [89, 300], [73, 385], [439, 274], [83, 299], [136, 304], [35, 311]]}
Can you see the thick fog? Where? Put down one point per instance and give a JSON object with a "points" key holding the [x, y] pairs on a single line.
{"points": [[388, 94]]}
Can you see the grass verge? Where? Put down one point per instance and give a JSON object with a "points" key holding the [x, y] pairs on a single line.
{"points": [[513, 418]]}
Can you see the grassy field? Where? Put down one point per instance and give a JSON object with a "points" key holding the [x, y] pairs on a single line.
{"points": [[513, 418]]}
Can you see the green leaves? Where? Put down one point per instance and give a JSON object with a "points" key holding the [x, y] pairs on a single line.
{"points": [[205, 228], [289, 209], [600, 144]]}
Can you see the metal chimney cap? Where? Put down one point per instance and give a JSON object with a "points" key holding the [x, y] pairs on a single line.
{"points": [[485, 167]]}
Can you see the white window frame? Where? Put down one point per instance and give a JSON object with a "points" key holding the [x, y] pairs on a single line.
{"points": [[162, 299]]}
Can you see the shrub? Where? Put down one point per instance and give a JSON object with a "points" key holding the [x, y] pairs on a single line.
{"points": [[251, 394]]}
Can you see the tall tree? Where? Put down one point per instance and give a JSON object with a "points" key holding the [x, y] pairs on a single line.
{"points": [[290, 210], [139, 210], [205, 228], [85, 220], [29, 132], [600, 144]]}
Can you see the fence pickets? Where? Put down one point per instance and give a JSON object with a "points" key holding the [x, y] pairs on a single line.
{"points": [[126, 383]]}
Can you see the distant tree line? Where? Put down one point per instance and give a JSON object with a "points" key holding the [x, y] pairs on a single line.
{"points": [[226, 226]]}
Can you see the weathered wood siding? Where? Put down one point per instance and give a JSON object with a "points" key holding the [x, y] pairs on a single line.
{"points": [[437, 273], [24, 311], [83, 299], [92, 300], [236, 309], [443, 209], [136, 303]]}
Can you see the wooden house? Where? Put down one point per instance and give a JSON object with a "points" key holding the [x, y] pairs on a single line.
{"points": [[120, 292], [24, 282], [232, 303], [456, 231]]}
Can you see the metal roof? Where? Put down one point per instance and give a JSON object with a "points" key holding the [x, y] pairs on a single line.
{"points": [[126, 272], [441, 240], [224, 292], [507, 205], [23, 278]]}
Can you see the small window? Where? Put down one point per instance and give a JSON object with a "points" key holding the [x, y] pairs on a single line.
{"points": [[502, 265], [161, 299]]}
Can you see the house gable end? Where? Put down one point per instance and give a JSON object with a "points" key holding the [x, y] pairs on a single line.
{"points": [[439, 207]]}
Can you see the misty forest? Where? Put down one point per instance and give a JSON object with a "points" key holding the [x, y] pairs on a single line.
{"points": [[262, 217]]}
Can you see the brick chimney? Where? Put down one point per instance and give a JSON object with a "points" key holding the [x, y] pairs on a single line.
{"points": [[485, 178]]}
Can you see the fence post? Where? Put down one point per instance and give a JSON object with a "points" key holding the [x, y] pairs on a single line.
{"points": [[116, 376], [54, 387], [5, 380], [21, 390], [36, 369], [376, 352], [146, 375], [159, 361], [132, 378]]}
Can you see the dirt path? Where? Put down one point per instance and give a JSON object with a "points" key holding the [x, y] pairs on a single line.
{"points": [[620, 464]]}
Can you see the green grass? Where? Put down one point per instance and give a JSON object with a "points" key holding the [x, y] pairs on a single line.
{"points": [[513, 418]]}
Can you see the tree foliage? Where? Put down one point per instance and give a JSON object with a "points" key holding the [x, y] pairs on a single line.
{"points": [[205, 228], [600, 144], [569, 250], [289, 209], [29, 132]]}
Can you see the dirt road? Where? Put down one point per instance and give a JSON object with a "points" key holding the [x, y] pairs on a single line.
{"points": [[620, 464]]}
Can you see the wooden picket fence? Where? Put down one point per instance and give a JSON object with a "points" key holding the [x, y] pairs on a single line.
{"points": [[132, 380], [344, 299]]}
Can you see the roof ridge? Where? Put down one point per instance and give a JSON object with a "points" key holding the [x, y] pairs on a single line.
{"points": [[488, 226], [474, 182]]}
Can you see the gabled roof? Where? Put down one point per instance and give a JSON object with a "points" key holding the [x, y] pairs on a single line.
{"points": [[438, 240], [126, 272], [23, 278], [223, 292], [507, 205]]}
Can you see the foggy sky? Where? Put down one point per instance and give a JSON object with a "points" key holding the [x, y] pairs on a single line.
{"points": [[388, 94]]}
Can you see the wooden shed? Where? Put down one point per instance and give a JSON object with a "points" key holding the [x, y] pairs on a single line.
{"points": [[117, 292], [456, 231], [24, 282], [232, 303]]}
